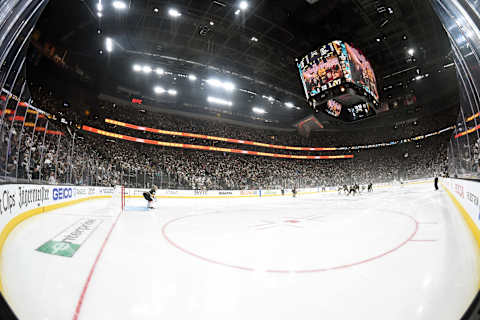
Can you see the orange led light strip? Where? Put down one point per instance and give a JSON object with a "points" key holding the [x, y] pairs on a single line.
{"points": [[458, 135], [207, 148], [202, 136]]}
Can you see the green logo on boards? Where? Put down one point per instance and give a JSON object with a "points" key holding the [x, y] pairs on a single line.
{"points": [[68, 241], [59, 248]]}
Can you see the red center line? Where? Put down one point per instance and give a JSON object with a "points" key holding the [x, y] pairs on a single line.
{"points": [[85, 286], [424, 240]]}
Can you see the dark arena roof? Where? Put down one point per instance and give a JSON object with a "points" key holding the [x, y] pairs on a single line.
{"points": [[252, 50]]}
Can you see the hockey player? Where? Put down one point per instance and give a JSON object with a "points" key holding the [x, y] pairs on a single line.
{"points": [[370, 187], [436, 183], [353, 190], [150, 196], [294, 192]]}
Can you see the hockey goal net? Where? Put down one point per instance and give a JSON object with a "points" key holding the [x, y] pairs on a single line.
{"points": [[118, 197]]}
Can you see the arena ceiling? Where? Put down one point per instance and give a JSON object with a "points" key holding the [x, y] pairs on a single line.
{"points": [[254, 48]]}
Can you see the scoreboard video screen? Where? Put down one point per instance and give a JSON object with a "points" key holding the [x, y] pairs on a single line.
{"points": [[340, 81]]}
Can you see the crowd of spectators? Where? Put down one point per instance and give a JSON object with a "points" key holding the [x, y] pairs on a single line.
{"points": [[77, 157], [219, 128]]}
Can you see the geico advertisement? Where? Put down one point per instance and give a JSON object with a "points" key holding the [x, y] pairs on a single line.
{"points": [[468, 194]]}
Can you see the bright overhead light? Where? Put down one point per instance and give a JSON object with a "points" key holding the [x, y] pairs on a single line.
{"points": [[159, 71], [146, 69], [192, 77], [156, 10], [159, 90], [119, 5], [172, 92], [137, 68], [243, 5], [174, 13], [237, 12], [378, 39], [99, 14], [109, 44], [214, 82], [411, 52], [258, 110], [212, 23], [254, 39], [99, 6], [219, 101], [228, 86], [289, 105]]}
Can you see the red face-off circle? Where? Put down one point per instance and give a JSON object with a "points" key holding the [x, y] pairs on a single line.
{"points": [[292, 245]]}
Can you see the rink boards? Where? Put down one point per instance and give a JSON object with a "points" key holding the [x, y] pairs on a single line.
{"points": [[465, 195], [192, 194]]}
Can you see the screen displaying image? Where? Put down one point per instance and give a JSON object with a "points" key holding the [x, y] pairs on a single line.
{"points": [[361, 71], [333, 108], [321, 69], [360, 111], [321, 73]]}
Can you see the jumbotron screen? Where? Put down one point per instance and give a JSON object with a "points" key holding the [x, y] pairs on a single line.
{"points": [[340, 81], [333, 64]]}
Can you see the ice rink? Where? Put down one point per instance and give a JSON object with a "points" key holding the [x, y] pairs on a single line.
{"points": [[397, 253]]}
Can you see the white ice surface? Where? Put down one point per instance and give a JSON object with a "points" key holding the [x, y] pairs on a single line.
{"points": [[398, 253]]}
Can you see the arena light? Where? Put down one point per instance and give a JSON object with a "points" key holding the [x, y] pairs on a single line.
{"points": [[119, 5], [172, 92], [237, 12], [411, 51], [289, 105], [159, 71], [243, 5], [158, 90], [254, 39], [99, 14], [212, 23], [220, 101], [147, 69], [228, 86], [137, 68], [109, 44], [99, 6], [156, 10], [174, 13], [192, 77], [214, 82], [258, 110]]}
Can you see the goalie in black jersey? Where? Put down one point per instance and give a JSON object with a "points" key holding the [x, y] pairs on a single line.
{"points": [[150, 196]]}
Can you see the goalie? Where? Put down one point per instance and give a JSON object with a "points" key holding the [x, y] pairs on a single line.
{"points": [[150, 196]]}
